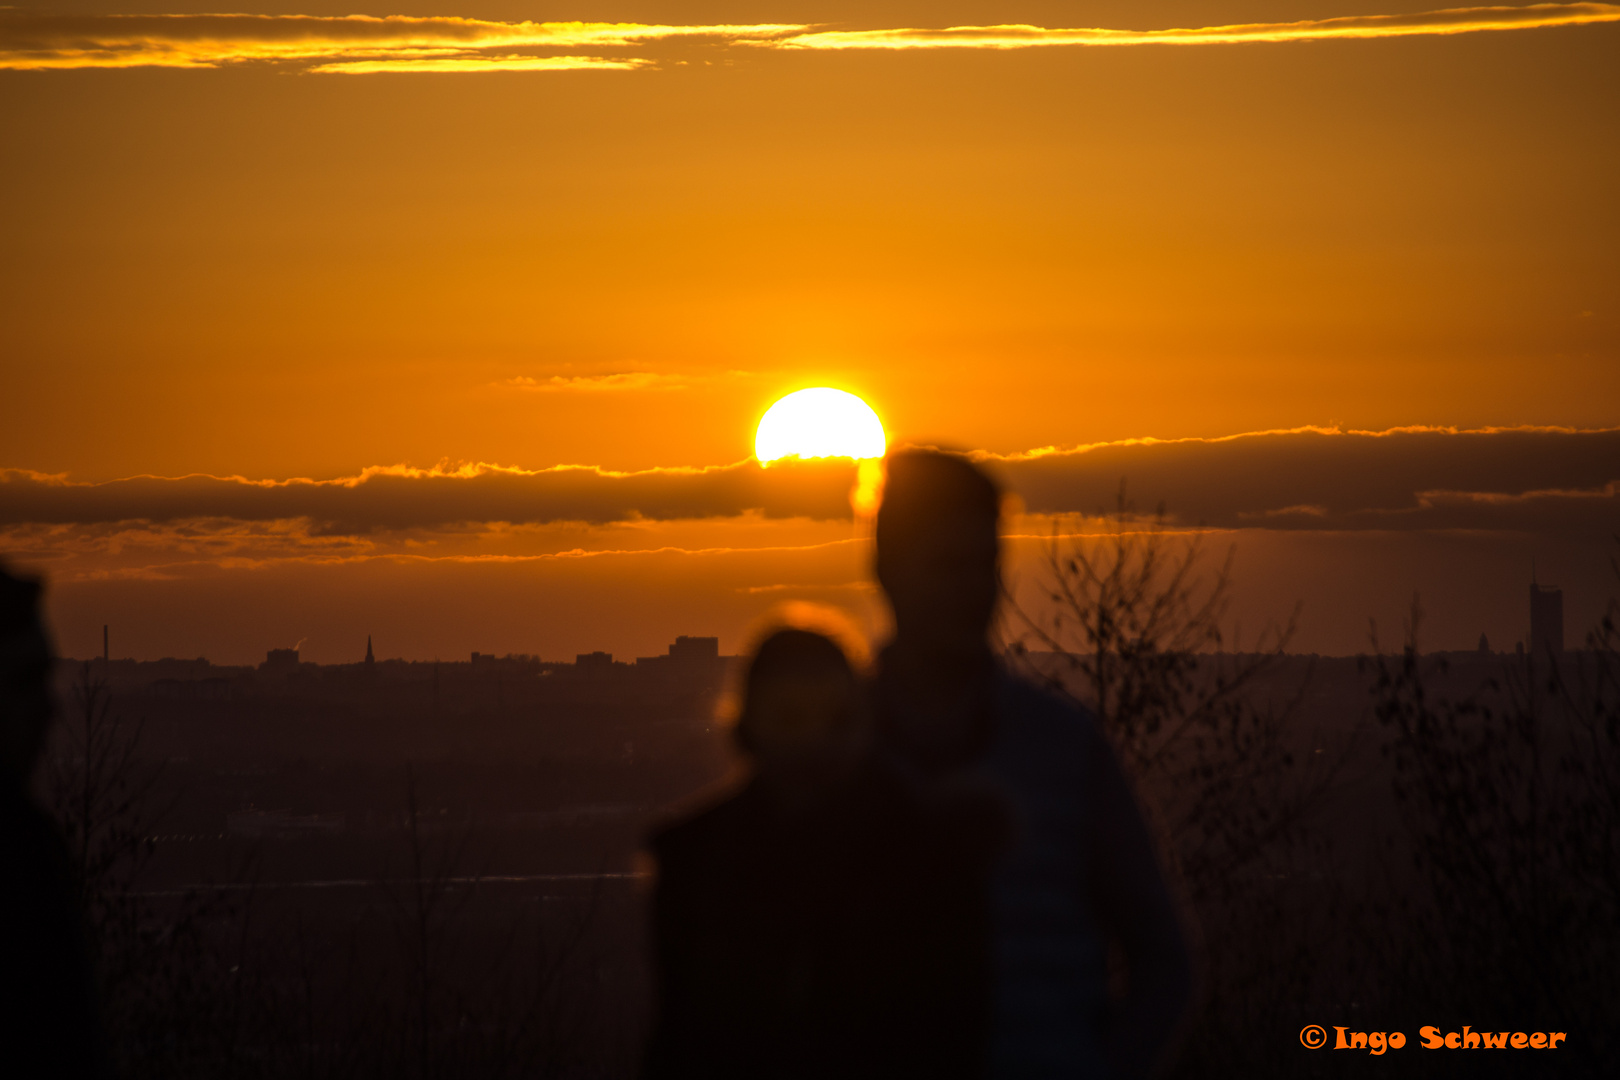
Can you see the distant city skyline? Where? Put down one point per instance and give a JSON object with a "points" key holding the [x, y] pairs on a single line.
{"points": [[1541, 623]]}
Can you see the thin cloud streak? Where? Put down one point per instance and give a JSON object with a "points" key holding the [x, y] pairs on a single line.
{"points": [[36, 40], [175, 569], [623, 380], [475, 64], [1358, 27], [837, 587], [366, 44], [1053, 451]]}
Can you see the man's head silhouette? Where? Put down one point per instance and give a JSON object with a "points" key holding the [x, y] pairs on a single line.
{"points": [[937, 551]]}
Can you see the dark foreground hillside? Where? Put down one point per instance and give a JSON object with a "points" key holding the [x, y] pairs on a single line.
{"points": [[432, 870]]}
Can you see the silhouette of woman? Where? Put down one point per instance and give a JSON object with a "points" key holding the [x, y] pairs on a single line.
{"points": [[818, 921]]}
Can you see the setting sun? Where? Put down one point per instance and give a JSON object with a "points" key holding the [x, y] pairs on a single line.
{"points": [[819, 422]]}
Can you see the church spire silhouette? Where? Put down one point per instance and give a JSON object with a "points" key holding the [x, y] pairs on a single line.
{"points": [[370, 659]]}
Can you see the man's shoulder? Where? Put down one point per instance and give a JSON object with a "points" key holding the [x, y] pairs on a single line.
{"points": [[1045, 729], [1034, 701]]}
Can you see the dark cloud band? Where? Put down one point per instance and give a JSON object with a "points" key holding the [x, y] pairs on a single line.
{"points": [[402, 498], [1520, 479]]}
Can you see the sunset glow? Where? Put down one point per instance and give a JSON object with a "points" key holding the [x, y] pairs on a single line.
{"points": [[490, 325], [819, 422]]}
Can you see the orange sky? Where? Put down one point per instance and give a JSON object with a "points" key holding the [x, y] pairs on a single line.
{"points": [[254, 267]]}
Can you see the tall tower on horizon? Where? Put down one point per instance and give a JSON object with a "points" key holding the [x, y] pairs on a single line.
{"points": [[371, 661], [1546, 619]]}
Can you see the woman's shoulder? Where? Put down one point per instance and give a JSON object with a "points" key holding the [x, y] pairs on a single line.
{"points": [[718, 817]]}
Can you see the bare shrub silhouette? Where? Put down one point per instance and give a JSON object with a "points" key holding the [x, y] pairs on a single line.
{"points": [[97, 787], [1133, 625], [1509, 796], [160, 984], [523, 1014], [431, 978]]}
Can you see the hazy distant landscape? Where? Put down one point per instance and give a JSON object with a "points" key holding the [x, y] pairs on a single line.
{"points": [[337, 848]]}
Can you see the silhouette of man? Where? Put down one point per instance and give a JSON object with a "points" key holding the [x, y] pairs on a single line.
{"points": [[1078, 872], [47, 1004]]}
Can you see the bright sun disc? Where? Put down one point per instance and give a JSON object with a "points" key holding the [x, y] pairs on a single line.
{"points": [[819, 422]]}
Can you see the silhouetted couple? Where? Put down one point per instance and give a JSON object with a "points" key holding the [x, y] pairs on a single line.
{"points": [[924, 875]]}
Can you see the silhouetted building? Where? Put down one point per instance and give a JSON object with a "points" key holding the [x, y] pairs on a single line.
{"points": [[281, 661], [593, 662], [1546, 620], [1484, 644], [695, 650], [371, 661], [690, 660]]}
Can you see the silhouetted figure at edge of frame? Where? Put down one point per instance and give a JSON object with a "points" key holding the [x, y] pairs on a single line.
{"points": [[819, 922], [1079, 871], [48, 1025]]}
